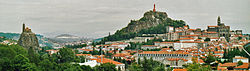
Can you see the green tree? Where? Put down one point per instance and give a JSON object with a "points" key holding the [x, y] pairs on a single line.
{"points": [[22, 63], [47, 65], [66, 55], [135, 67], [239, 63], [106, 67], [207, 39], [209, 59], [198, 67], [33, 56]]}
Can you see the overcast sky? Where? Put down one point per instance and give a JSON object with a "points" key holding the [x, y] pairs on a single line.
{"points": [[95, 18]]}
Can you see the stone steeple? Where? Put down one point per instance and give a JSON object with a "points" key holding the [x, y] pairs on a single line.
{"points": [[218, 21]]}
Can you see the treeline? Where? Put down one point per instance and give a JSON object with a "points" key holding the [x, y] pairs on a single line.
{"points": [[147, 65], [16, 58], [231, 53]]}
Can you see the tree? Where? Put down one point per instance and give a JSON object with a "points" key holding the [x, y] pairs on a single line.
{"points": [[66, 55], [239, 63], [198, 67], [22, 63], [209, 59], [106, 67], [207, 39], [135, 67], [47, 65], [33, 56]]}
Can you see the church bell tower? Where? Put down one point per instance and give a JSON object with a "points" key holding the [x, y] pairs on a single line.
{"points": [[218, 21]]}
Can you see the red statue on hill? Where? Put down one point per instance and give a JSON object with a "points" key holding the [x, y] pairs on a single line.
{"points": [[154, 8]]}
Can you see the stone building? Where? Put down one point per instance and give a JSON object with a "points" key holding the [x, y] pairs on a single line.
{"points": [[172, 58], [221, 29]]}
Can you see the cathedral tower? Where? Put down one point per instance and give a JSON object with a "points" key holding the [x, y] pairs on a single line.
{"points": [[218, 21]]}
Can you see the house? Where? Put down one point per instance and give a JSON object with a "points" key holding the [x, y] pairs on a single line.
{"points": [[125, 56], [167, 57], [212, 34], [186, 39], [175, 62], [219, 53], [239, 58], [179, 69], [244, 66], [149, 47], [52, 51], [101, 60], [85, 50], [164, 44]]}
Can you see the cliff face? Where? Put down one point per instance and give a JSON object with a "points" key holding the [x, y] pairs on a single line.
{"points": [[150, 19], [28, 39]]}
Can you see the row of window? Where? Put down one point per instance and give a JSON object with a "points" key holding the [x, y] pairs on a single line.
{"points": [[163, 55]]}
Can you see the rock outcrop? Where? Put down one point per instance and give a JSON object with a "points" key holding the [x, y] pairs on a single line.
{"points": [[150, 19], [28, 39]]}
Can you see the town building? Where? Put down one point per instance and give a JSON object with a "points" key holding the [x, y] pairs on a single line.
{"points": [[172, 58], [221, 29]]}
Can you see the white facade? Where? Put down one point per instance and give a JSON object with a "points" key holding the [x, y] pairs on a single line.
{"points": [[239, 58]]}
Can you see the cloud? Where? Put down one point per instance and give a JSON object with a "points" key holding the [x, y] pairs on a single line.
{"points": [[98, 17]]}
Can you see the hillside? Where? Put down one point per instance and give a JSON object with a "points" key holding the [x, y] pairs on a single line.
{"points": [[150, 23]]}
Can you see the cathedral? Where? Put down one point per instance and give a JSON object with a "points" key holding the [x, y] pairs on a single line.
{"points": [[221, 29]]}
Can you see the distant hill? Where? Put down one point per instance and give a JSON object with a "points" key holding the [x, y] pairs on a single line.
{"points": [[66, 36], [150, 23]]}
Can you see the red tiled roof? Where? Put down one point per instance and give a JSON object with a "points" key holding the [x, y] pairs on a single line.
{"points": [[216, 52], [244, 66], [191, 29], [188, 35], [121, 55], [186, 38], [240, 57], [211, 32], [179, 69], [86, 50], [51, 50], [212, 26], [176, 59], [149, 46], [228, 64], [164, 52], [192, 42], [105, 60], [83, 55]]}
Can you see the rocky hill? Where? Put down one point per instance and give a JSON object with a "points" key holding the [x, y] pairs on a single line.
{"points": [[28, 39], [151, 23], [150, 19]]}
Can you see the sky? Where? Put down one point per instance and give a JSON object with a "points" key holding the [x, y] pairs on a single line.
{"points": [[96, 18]]}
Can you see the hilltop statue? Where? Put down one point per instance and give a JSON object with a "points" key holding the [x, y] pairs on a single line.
{"points": [[28, 39], [154, 8]]}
